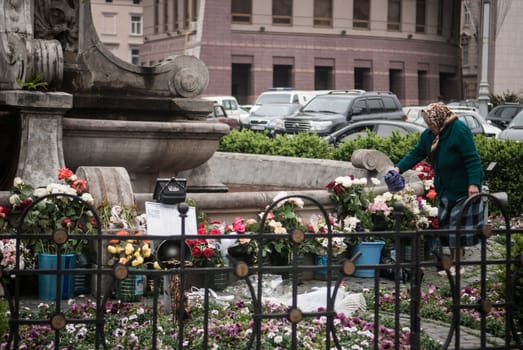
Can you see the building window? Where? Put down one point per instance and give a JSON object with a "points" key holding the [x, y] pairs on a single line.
{"points": [[465, 53], [176, 26], [420, 16], [136, 2], [241, 11], [109, 23], [323, 13], [186, 15], [394, 15], [360, 14], [136, 25], [440, 17], [156, 16], [194, 10], [282, 75], [282, 12], [135, 55], [165, 17], [323, 78]]}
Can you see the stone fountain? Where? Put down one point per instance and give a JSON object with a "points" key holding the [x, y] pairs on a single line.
{"points": [[96, 110]]}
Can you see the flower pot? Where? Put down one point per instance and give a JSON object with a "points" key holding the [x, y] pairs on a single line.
{"points": [[82, 283], [47, 282], [321, 260], [131, 288], [217, 281], [370, 255]]}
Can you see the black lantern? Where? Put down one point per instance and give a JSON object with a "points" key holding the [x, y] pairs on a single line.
{"points": [[170, 191]]}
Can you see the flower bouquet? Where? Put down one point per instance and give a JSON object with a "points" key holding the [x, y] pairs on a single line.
{"points": [[207, 252], [281, 220], [136, 254], [243, 248], [57, 206]]}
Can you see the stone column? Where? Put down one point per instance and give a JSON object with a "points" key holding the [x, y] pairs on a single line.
{"points": [[41, 153]]}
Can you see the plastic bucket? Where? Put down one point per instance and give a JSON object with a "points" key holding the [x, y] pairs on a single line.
{"points": [[47, 281], [370, 255]]}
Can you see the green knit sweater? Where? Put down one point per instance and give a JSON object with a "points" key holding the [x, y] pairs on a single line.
{"points": [[456, 161]]}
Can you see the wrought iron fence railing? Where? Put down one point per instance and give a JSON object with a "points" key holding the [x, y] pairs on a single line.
{"points": [[175, 277]]}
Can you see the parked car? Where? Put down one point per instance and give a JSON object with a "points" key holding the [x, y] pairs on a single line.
{"points": [[476, 123], [220, 114], [265, 117], [329, 112], [413, 114], [381, 127], [502, 115], [514, 130], [230, 104], [286, 95]]}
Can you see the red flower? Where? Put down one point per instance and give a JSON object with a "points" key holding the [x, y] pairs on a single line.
{"points": [[4, 211], [215, 231], [208, 253], [434, 222], [196, 252], [79, 185], [25, 203], [93, 221], [331, 184], [431, 194], [64, 173], [67, 223], [202, 231]]}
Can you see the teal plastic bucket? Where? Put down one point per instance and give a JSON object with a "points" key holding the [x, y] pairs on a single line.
{"points": [[370, 255], [47, 281]]}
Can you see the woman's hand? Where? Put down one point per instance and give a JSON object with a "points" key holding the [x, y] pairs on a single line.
{"points": [[473, 189]]}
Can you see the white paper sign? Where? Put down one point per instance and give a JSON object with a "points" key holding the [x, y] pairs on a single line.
{"points": [[165, 220]]}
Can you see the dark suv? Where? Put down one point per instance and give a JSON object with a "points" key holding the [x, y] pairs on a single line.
{"points": [[502, 115], [330, 112]]}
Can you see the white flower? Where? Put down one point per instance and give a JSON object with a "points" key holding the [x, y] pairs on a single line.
{"points": [[17, 181], [40, 192], [361, 181], [14, 199], [375, 181], [278, 339], [86, 197]]}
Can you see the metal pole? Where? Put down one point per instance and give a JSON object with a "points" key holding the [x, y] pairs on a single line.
{"points": [[483, 93]]}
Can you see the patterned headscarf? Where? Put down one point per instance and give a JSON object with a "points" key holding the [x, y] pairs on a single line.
{"points": [[437, 116]]}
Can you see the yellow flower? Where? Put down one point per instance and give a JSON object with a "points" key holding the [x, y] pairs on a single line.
{"points": [[129, 249], [137, 262], [111, 249], [156, 266]]}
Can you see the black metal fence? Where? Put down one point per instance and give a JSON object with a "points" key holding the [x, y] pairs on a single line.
{"points": [[177, 270]]}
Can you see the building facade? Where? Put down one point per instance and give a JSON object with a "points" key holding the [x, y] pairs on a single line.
{"points": [[410, 47], [119, 24], [505, 46]]}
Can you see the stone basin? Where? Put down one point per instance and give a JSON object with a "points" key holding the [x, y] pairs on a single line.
{"points": [[147, 149]]}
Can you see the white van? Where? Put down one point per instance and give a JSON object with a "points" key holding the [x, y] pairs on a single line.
{"points": [[286, 95], [231, 106]]}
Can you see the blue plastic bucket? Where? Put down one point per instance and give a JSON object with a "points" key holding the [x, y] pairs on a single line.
{"points": [[47, 281], [370, 255]]}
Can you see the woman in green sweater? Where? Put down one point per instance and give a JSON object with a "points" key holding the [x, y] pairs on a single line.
{"points": [[449, 146]]}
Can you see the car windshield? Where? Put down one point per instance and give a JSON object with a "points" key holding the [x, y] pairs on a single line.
{"points": [[275, 110], [328, 104], [517, 122], [273, 98]]}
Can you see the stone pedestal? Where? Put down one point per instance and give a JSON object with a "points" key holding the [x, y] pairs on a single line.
{"points": [[40, 153]]}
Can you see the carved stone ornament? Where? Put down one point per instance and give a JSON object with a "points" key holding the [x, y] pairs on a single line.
{"points": [[57, 19], [23, 58]]}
